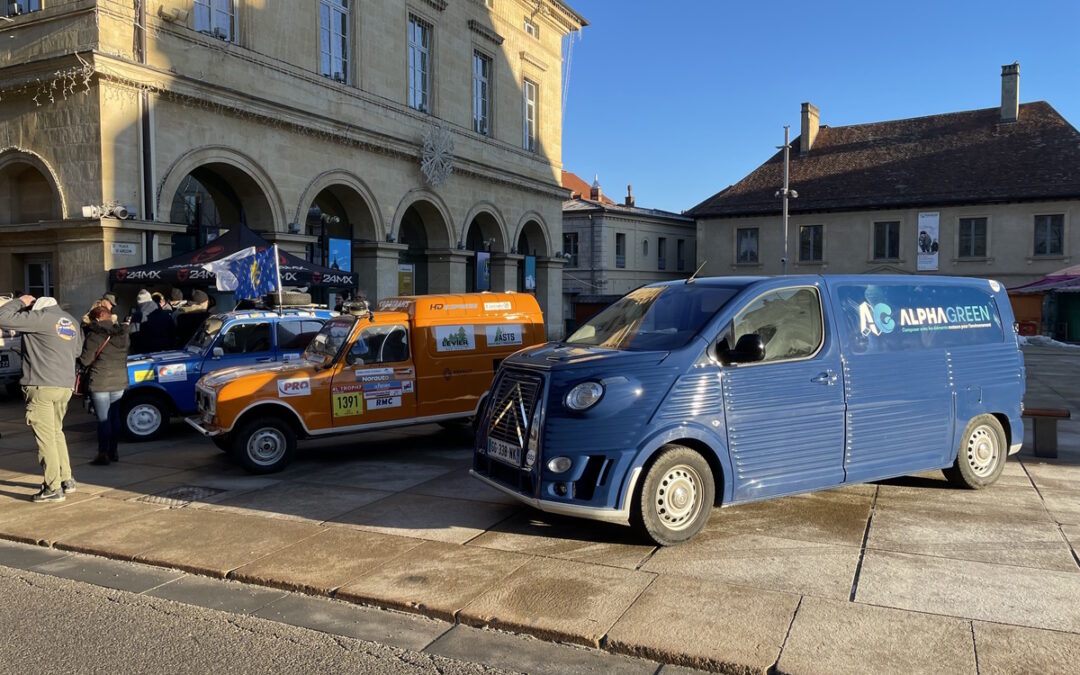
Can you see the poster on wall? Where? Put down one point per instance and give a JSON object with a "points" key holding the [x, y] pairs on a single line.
{"points": [[340, 257], [483, 271], [405, 273], [928, 241], [530, 273]]}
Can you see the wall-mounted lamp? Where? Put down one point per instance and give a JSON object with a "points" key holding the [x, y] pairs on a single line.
{"points": [[490, 243], [172, 13], [108, 210], [390, 239], [294, 228]]}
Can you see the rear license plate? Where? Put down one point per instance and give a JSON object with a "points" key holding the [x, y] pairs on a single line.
{"points": [[504, 452]]}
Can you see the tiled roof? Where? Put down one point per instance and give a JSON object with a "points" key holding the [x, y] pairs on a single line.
{"points": [[587, 205], [579, 188], [964, 157]]}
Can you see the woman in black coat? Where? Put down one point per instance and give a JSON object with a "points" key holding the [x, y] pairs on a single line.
{"points": [[104, 356]]}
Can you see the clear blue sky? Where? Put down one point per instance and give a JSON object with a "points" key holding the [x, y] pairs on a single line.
{"points": [[683, 98]]}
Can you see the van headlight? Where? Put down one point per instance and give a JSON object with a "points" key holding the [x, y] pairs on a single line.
{"points": [[584, 396]]}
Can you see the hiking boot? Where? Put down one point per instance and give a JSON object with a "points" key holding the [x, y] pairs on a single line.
{"points": [[68, 485], [101, 460], [47, 495]]}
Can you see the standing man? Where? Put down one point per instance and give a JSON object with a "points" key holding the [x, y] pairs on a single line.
{"points": [[51, 342]]}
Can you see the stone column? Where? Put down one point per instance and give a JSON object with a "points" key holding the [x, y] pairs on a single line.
{"points": [[446, 270], [376, 264], [504, 271], [549, 294]]}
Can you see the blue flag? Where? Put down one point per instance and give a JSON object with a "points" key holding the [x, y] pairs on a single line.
{"points": [[255, 275]]}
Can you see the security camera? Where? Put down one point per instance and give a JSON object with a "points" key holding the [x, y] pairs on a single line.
{"points": [[120, 211], [172, 13]]}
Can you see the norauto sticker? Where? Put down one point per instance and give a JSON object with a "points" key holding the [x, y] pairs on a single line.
{"points": [[496, 306], [297, 386], [384, 402], [375, 375]]}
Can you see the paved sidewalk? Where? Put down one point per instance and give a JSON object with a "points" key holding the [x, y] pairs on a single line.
{"points": [[905, 575]]}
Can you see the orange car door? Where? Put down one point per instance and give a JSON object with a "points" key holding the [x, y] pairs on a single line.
{"points": [[377, 382]]}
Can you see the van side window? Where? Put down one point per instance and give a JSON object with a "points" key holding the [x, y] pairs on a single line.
{"points": [[246, 338], [380, 344], [296, 334], [788, 321]]}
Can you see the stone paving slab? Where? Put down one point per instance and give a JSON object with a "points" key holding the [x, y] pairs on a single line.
{"points": [[944, 501], [1063, 505], [845, 637], [558, 600], [302, 501], [45, 526], [98, 479], [1072, 535], [542, 534], [972, 590], [1011, 650], [108, 573], [22, 556], [326, 561], [378, 475], [705, 625], [232, 482], [434, 579], [458, 484], [835, 517], [536, 657], [397, 630], [1053, 475], [200, 455], [15, 502], [224, 596], [454, 521]]}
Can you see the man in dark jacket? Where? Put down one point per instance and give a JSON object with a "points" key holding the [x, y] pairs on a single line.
{"points": [[51, 340], [157, 331], [104, 356], [191, 317]]}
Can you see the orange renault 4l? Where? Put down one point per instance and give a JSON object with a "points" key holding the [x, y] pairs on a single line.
{"points": [[415, 359]]}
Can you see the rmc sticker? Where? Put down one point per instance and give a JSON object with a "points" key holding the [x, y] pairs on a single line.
{"points": [[297, 386], [384, 402]]}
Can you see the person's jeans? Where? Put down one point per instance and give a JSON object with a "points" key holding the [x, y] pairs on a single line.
{"points": [[108, 417]]}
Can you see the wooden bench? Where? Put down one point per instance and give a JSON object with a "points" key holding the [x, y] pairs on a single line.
{"points": [[1045, 431]]}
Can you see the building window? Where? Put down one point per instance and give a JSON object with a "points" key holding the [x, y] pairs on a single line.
{"points": [[334, 39], [746, 245], [887, 240], [570, 247], [481, 93], [620, 250], [811, 239], [972, 242], [529, 115], [532, 29], [644, 247], [215, 17], [17, 7], [661, 253], [38, 278], [419, 64], [1050, 234], [680, 255]]}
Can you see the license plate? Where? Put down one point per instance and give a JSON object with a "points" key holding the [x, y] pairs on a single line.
{"points": [[504, 452], [5, 361]]}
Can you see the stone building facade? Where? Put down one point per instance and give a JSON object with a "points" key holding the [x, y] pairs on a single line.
{"points": [[403, 136], [988, 193], [611, 249]]}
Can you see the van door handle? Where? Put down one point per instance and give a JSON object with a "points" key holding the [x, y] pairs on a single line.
{"points": [[828, 377]]}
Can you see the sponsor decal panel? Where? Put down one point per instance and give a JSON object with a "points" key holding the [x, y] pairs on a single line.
{"points": [[297, 386], [145, 375], [175, 372], [497, 306], [384, 402], [454, 338], [347, 403], [375, 375], [382, 393], [503, 335], [407, 387], [880, 318]]}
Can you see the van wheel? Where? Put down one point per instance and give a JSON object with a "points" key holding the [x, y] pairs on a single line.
{"points": [[981, 457], [264, 445], [145, 417], [676, 497]]}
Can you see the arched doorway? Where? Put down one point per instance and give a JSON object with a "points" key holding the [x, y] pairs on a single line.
{"points": [[531, 244], [215, 197], [27, 194], [338, 217], [483, 237], [422, 229]]}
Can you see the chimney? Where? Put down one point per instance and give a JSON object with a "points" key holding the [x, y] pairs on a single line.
{"points": [[596, 194], [1010, 92], [629, 195], [809, 128]]}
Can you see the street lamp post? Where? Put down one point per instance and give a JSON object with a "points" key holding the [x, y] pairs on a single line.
{"points": [[785, 193]]}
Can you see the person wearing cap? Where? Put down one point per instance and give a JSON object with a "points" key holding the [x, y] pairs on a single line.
{"points": [[157, 330], [139, 315], [51, 342], [176, 301], [191, 316]]}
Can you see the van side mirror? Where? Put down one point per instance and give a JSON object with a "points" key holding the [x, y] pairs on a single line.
{"points": [[749, 349], [218, 352]]}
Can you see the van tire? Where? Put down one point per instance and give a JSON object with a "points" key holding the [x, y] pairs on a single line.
{"points": [[980, 458], [678, 473], [144, 416], [264, 444]]}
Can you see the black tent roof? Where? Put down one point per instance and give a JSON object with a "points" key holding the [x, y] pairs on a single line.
{"points": [[186, 269]]}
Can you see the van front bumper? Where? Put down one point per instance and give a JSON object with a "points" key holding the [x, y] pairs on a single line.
{"points": [[197, 422], [606, 515]]}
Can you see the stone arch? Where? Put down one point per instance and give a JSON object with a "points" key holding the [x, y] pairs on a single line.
{"points": [[254, 188], [356, 197], [434, 213], [491, 223], [29, 188], [536, 231]]}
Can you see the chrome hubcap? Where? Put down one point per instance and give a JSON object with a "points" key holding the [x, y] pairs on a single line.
{"points": [[266, 446], [144, 419], [982, 451], [677, 498]]}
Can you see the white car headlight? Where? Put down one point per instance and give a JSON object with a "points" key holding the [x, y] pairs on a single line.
{"points": [[584, 396]]}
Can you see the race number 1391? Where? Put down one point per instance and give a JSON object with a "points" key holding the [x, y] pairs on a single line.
{"points": [[348, 405]]}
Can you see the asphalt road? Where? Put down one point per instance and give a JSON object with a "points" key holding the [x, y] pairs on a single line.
{"points": [[48, 624]]}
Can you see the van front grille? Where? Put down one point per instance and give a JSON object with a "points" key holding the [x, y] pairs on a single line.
{"points": [[513, 405]]}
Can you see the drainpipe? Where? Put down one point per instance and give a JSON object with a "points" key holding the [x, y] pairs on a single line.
{"points": [[146, 126]]}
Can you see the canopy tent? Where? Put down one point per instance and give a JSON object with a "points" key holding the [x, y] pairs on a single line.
{"points": [[186, 269], [1064, 280]]}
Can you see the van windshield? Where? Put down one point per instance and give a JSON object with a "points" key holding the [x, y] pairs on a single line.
{"points": [[324, 347], [204, 337], [657, 318]]}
